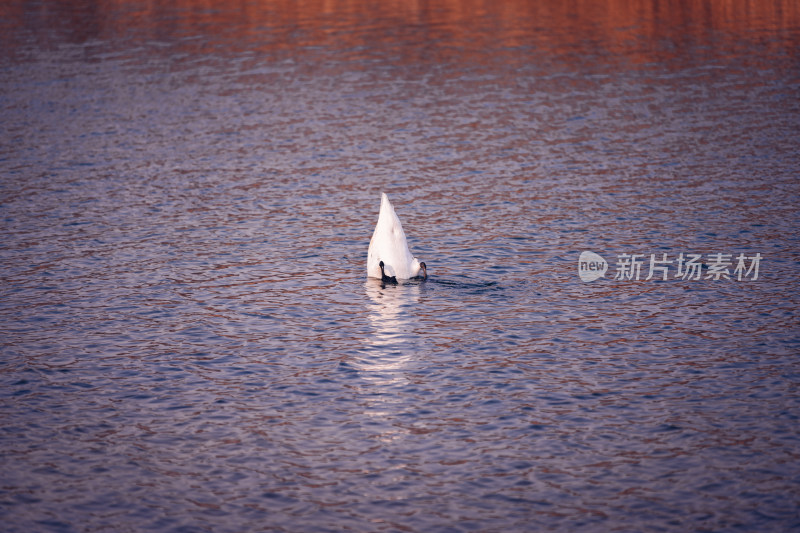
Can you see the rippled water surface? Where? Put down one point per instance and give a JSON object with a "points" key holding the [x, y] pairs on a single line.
{"points": [[189, 342]]}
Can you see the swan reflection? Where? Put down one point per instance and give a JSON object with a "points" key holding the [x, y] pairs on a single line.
{"points": [[391, 349]]}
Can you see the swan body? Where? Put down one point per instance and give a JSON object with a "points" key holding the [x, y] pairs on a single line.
{"points": [[388, 245]]}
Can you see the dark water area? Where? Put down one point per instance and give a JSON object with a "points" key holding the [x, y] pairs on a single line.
{"points": [[189, 341]]}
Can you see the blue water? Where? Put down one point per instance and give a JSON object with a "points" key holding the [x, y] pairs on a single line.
{"points": [[189, 342]]}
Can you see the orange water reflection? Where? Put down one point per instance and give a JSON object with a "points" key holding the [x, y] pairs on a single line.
{"points": [[637, 30]]}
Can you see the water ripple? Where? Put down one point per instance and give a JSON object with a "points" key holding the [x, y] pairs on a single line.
{"points": [[188, 339]]}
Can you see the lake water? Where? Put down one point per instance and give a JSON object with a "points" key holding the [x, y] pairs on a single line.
{"points": [[189, 342]]}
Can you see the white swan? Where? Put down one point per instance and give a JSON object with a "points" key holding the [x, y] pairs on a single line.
{"points": [[389, 258]]}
